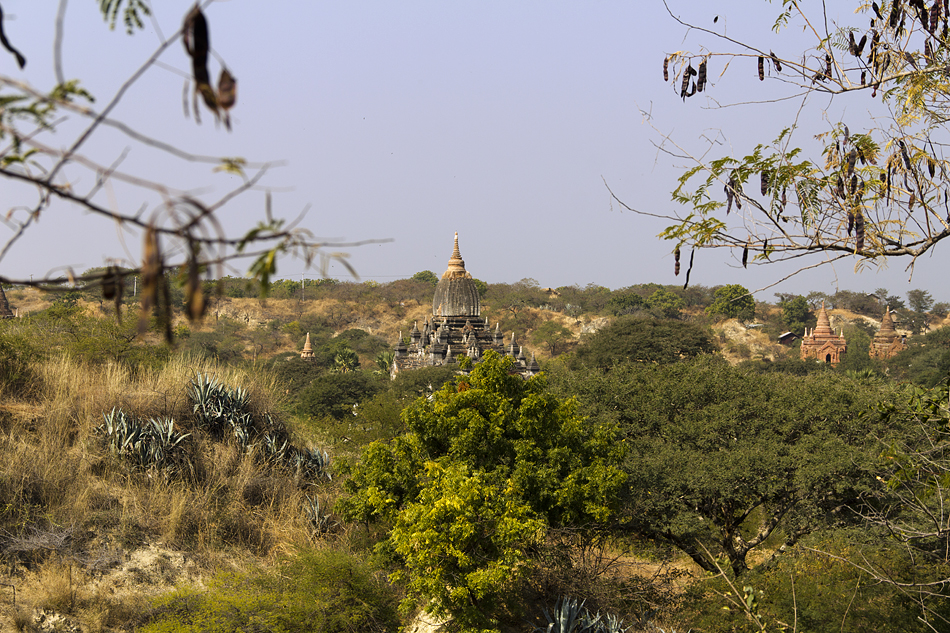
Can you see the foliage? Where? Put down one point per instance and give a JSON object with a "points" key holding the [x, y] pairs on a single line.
{"points": [[336, 394], [426, 276], [570, 616], [489, 461], [796, 316], [926, 361], [665, 304], [622, 303], [643, 340], [732, 302], [728, 456], [145, 444], [818, 588], [324, 591], [919, 300], [551, 334], [17, 357]]}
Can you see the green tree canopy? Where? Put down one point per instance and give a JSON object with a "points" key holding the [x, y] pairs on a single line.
{"points": [[643, 340], [489, 462], [724, 456], [427, 276], [796, 315], [732, 302], [551, 335]]}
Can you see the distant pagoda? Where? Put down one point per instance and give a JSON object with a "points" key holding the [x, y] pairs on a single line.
{"points": [[822, 343], [887, 342], [457, 327]]}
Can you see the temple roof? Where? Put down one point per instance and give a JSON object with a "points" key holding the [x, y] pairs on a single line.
{"points": [[456, 294]]}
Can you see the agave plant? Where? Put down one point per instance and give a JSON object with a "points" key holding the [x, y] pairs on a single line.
{"points": [[320, 521], [148, 444], [570, 616]]}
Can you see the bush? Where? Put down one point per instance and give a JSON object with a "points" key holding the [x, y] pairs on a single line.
{"points": [[643, 340], [335, 394], [326, 591]]}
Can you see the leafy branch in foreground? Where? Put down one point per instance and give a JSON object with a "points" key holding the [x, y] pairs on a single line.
{"points": [[178, 230], [878, 192]]}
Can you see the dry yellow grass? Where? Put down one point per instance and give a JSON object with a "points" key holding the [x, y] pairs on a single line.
{"points": [[64, 499]]}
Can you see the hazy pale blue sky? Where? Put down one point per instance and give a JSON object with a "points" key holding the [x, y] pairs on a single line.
{"points": [[411, 120]]}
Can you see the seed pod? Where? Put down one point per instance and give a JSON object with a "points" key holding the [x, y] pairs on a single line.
{"points": [[676, 262], [859, 231], [863, 77], [827, 65], [690, 268], [108, 284], [761, 68], [729, 195], [904, 154], [840, 188], [852, 46], [895, 15], [931, 166], [666, 68], [854, 185], [850, 223], [784, 198], [692, 90], [745, 255], [912, 201], [684, 88], [927, 52], [765, 247], [764, 185], [701, 81], [860, 49], [776, 62], [877, 11], [934, 16]]}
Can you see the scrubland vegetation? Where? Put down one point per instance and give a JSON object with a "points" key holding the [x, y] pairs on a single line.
{"points": [[656, 475]]}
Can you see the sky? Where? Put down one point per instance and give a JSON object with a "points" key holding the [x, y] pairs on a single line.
{"points": [[507, 121]]}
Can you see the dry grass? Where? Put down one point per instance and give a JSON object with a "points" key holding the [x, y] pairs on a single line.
{"points": [[65, 500]]}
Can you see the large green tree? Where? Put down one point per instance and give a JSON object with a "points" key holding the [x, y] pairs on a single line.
{"points": [[733, 302], [719, 459], [643, 340], [488, 464]]}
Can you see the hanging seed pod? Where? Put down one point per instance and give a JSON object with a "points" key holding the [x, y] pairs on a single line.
{"points": [[895, 15], [859, 231], [701, 80], [850, 223], [684, 88], [931, 166], [692, 90], [689, 269], [912, 201], [745, 255], [840, 188], [875, 40], [904, 154], [852, 45], [854, 185], [935, 16], [877, 11], [860, 50], [784, 198], [764, 184], [108, 284], [946, 204], [761, 68], [927, 52], [676, 262], [776, 62], [827, 65], [729, 196], [666, 68], [861, 156], [765, 247]]}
